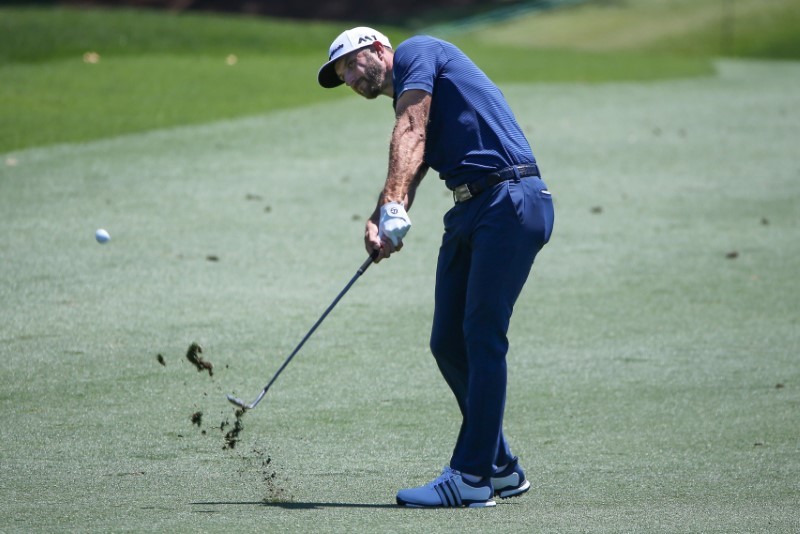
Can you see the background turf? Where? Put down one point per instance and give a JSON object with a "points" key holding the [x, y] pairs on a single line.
{"points": [[654, 381], [155, 70], [745, 28]]}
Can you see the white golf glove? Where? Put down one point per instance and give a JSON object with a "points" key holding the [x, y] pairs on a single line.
{"points": [[394, 222]]}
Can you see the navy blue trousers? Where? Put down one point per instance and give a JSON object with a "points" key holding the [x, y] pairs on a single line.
{"points": [[487, 251]]}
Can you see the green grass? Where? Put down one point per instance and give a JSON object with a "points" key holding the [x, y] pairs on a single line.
{"points": [[512, 64], [654, 383], [70, 100], [740, 28], [160, 70], [45, 34], [154, 71]]}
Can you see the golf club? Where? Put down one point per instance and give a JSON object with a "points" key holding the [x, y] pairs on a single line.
{"points": [[239, 402]]}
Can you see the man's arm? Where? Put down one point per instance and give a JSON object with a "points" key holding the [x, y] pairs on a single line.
{"points": [[407, 148], [406, 164]]}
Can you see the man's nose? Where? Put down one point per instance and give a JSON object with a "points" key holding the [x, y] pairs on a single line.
{"points": [[349, 78]]}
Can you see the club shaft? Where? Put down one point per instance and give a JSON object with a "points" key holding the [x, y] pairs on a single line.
{"points": [[361, 270]]}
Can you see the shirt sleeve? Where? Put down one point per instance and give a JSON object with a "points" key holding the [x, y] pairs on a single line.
{"points": [[417, 63]]}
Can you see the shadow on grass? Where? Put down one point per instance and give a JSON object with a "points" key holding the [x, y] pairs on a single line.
{"points": [[295, 505]]}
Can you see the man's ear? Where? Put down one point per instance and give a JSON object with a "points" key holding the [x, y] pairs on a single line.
{"points": [[379, 48]]}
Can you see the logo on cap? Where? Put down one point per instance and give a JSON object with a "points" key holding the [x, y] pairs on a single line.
{"points": [[333, 52]]}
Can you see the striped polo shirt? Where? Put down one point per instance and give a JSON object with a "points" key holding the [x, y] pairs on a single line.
{"points": [[471, 129]]}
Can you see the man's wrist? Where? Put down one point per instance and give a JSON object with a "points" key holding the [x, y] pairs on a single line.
{"points": [[392, 209]]}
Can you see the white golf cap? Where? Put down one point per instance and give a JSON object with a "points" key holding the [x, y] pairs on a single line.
{"points": [[353, 39]]}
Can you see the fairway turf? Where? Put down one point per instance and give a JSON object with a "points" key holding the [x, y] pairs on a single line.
{"points": [[654, 383]]}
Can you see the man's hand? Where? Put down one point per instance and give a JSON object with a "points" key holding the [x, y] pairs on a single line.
{"points": [[375, 241], [394, 222], [372, 241]]}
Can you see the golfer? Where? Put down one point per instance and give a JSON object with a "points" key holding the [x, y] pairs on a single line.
{"points": [[450, 117]]}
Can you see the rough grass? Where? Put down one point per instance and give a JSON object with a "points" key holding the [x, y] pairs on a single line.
{"points": [[44, 34], [150, 70], [153, 70], [745, 28], [72, 101]]}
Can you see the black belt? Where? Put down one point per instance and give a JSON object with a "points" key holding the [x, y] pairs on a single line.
{"points": [[464, 192]]}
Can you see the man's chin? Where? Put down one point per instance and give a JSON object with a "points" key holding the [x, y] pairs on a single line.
{"points": [[369, 96]]}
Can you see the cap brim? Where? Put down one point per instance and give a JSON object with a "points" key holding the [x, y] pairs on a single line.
{"points": [[327, 76]]}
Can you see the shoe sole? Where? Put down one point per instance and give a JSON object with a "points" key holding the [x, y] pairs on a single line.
{"points": [[479, 504], [514, 492]]}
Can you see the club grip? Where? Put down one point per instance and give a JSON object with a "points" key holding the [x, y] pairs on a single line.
{"points": [[369, 261]]}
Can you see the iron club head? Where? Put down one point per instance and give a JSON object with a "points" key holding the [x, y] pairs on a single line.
{"points": [[237, 401]]}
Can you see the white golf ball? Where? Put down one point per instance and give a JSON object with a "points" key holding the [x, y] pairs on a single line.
{"points": [[102, 236]]}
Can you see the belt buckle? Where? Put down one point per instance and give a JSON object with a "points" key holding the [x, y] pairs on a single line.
{"points": [[462, 193]]}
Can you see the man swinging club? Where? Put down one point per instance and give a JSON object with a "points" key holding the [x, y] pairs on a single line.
{"points": [[450, 117]]}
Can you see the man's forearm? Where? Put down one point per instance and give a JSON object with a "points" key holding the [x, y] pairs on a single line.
{"points": [[407, 148], [408, 199], [405, 163]]}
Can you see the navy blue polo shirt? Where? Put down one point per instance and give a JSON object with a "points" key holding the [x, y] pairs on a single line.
{"points": [[471, 129]]}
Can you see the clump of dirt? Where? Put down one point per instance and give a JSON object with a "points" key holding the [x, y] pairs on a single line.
{"points": [[232, 436], [193, 355], [256, 461], [160, 359], [275, 493]]}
